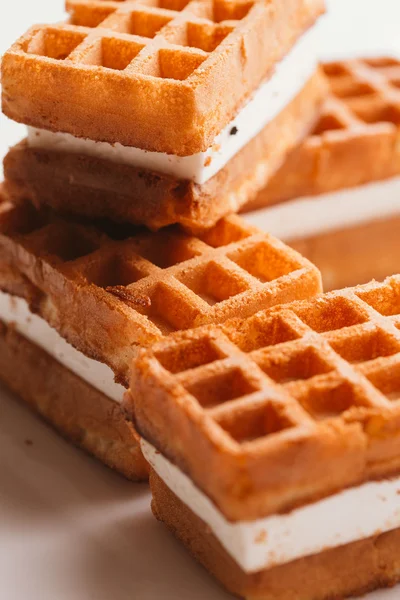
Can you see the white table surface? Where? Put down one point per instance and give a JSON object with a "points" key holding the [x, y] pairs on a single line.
{"points": [[70, 529]]}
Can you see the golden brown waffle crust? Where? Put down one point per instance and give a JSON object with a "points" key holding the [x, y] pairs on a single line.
{"points": [[93, 187], [350, 570], [71, 77], [75, 409], [356, 140], [285, 407], [108, 295]]}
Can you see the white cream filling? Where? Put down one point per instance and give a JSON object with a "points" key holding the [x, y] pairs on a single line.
{"points": [[290, 76], [16, 311], [346, 517], [305, 217]]}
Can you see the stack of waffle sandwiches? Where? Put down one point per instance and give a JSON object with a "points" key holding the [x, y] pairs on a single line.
{"points": [[164, 334]]}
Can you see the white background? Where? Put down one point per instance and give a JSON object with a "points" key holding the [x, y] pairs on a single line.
{"points": [[69, 528]]}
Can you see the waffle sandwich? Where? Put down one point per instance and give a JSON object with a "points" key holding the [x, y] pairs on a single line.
{"points": [[159, 112], [274, 444], [78, 301], [341, 187]]}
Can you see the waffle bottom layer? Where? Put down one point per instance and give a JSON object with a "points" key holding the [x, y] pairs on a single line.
{"points": [[354, 255], [94, 187], [334, 574], [78, 411]]}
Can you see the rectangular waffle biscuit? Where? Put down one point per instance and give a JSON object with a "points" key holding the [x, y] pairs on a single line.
{"points": [[164, 64], [356, 139], [278, 410], [109, 291], [77, 410], [96, 187]]}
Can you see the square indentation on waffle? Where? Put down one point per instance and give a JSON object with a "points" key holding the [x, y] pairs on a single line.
{"points": [[220, 384], [256, 419], [110, 53], [386, 301], [169, 54], [385, 376], [293, 362], [261, 331], [294, 376], [262, 261], [164, 281], [332, 313], [331, 397], [189, 355], [362, 344], [55, 44]]}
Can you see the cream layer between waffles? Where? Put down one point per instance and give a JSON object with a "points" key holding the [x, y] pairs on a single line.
{"points": [[351, 515], [15, 311], [317, 215], [266, 103]]}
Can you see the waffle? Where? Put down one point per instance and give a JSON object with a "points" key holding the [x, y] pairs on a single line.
{"points": [[356, 139], [95, 187], [285, 407], [176, 58], [107, 291], [77, 410]]}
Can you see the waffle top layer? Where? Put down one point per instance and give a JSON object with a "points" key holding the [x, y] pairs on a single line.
{"points": [[282, 408], [162, 75], [107, 290], [356, 139]]}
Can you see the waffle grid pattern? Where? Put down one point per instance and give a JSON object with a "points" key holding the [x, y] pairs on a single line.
{"points": [[156, 283], [116, 41], [314, 351], [251, 389], [359, 122], [367, 92], [161, 52]]}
